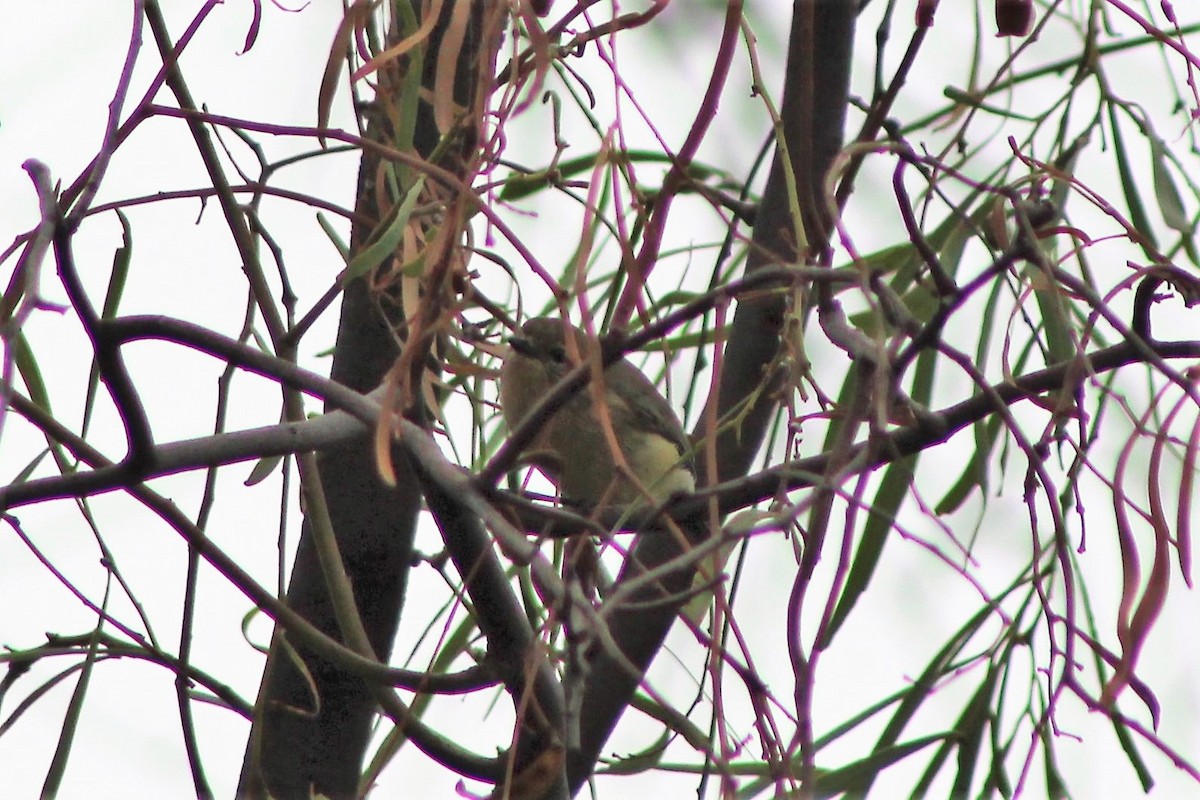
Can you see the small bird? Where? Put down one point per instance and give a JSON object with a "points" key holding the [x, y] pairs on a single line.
{"points": [[571, 447]]}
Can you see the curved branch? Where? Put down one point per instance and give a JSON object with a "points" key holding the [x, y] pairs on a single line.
{"points": [[809, 134]]}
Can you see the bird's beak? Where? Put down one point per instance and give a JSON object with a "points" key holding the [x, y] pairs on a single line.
{"points": [[522, 345]]}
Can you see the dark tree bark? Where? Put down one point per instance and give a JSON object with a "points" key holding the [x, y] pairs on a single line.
{"points": [[301, 742], [292, 753], [820, 47]]}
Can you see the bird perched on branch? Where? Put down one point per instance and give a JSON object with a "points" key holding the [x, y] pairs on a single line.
{"points": [[572, 446]]}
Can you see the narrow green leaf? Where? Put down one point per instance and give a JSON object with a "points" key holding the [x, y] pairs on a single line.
{"points": [[28, 469], [902, 262], [967, 739], [388, 236], [975, 474], [1129, 745], [643, 761], [1133, 199], [1188, 243], [971, 726], [35, 696], [31, 373], [247, 620], [122, 258], [849, 387], [1061, 188], [1056, 788], [897, 479], [1054, 308], [919, 301], [893, 488], [354, 16], [898, 261], [112, 301], [66, 737], [844, 779], [453, 647], [959, 97], [334, 236], [262, 469], [925, 684], [523, 184], [1170, 203], [951, 243]]}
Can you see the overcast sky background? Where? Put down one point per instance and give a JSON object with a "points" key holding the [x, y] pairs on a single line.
{"points": [[58, 65]]}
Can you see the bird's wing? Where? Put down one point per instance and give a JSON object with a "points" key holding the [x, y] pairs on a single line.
{"points": [[647, 408]]}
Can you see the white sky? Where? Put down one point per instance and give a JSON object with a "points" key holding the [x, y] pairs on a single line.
{"points": [[58, 65]]}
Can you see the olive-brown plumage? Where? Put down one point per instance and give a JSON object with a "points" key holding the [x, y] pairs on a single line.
{"points": [[571, 447]]}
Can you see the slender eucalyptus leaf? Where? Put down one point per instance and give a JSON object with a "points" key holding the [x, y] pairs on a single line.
{"points": [[975, 473], [262, 470], [841, 781], [971, 727], [1056, 788], [881, 516], [1170, 203], [388, 236], [1133, 198], [522, 184], [66, 738]]}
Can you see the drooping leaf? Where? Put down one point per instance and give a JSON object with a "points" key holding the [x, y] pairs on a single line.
{"points": [[894, 487], [388, 236], [1133, 198], [1170, 203], [841, 781]]}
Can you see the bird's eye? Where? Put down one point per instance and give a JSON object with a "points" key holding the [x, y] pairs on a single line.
{"points": [[557, 353]]}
